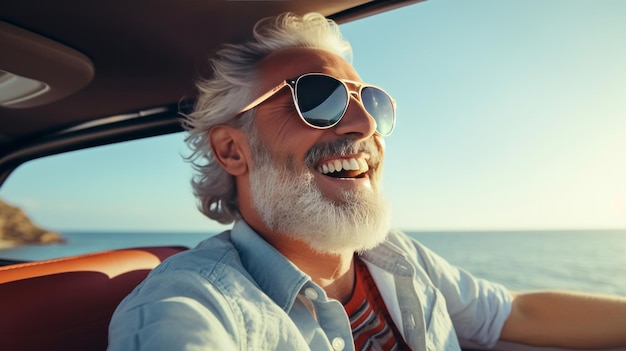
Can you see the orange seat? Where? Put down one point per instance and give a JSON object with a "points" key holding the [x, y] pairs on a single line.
{"points": [[66, 304]]}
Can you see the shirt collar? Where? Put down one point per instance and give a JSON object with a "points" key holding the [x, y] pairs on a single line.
{"points": [[280, 279], [390, 257]]}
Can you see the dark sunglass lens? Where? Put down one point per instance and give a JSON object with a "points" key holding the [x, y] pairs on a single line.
{"points": [[322, 100], [378, 104]]}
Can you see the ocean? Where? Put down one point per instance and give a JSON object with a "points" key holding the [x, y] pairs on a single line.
{"points": [[591, 261]]}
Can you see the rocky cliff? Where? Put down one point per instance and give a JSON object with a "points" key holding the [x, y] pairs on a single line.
{"points": [[17, 229]]}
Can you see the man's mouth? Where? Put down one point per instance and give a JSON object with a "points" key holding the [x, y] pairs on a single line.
{"points": [[345, 167]]}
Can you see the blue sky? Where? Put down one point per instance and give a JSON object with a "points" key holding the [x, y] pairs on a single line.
{"points": [[511, 115]]}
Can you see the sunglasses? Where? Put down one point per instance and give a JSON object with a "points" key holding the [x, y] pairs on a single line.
{"points": [[322, 100]]}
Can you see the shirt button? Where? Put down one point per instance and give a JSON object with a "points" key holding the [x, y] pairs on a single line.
{"points": [[338, 344], [311, 293]]}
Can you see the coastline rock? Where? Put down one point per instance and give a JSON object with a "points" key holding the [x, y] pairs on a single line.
{"points": [[17, 229]]}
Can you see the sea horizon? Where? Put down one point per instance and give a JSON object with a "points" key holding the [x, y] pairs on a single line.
{"points": [[583, 260]]}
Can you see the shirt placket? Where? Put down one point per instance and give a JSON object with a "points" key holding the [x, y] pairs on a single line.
{"points": [[331, 318]]}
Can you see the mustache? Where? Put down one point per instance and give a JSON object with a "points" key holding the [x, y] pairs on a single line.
{"points": [[343, 147]]}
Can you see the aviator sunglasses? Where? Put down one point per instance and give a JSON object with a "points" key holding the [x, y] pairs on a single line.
{"points": [[322, 100]]}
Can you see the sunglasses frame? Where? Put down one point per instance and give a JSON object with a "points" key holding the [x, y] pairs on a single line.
{"points": [[292, 83]]}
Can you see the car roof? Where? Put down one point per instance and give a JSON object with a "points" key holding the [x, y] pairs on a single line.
{"points": [[121, 60]]}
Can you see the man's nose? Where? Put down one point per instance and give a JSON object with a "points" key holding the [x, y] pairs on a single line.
{"points": [[356, 121]]}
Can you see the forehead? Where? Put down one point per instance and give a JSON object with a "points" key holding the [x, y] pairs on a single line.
{"points": [[293, 62]]}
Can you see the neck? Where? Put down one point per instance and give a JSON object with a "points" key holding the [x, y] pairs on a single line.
{"points": [[332, 272]]}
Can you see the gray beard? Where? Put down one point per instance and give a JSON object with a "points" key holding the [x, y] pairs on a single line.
{"points": [[291, 204]]}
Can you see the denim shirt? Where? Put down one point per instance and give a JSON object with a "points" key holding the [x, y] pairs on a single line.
{"points": [[236, 292]]}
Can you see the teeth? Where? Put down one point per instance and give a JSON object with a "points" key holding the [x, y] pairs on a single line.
{"points": [[351, 164], [346, 164], [338, 166], [362, 164]]}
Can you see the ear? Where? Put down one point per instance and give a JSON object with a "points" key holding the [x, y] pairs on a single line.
{"points": [[228, 145]]}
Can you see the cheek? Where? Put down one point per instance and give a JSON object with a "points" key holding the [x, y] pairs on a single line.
{"points": [[288, 137], [277, 124], [284, 134]]}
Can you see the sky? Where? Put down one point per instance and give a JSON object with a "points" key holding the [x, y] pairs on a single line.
{"points": [[511, 116]]}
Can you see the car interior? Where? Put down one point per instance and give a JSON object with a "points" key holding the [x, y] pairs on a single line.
{"points": [[88, 74], [82, 74], [68, 302]]}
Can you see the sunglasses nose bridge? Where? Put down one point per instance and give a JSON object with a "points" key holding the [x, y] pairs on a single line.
{"points": [[356, 94]]}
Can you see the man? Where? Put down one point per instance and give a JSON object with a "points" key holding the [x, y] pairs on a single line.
{"points": [[288, 144]]}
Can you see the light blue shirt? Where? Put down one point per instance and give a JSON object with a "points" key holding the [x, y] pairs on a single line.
{"points": [[236, 292]]}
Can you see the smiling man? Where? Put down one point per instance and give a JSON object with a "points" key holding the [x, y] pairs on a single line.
{"points": [[288, 145]]}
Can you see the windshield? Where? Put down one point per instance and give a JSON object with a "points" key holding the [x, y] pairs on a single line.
{"points": [[509, 150]]}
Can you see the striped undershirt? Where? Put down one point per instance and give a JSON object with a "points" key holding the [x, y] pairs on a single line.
{"points": [[372, 326]]}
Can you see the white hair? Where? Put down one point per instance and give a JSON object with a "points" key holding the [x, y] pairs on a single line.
{"points": [[229, 89]]}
